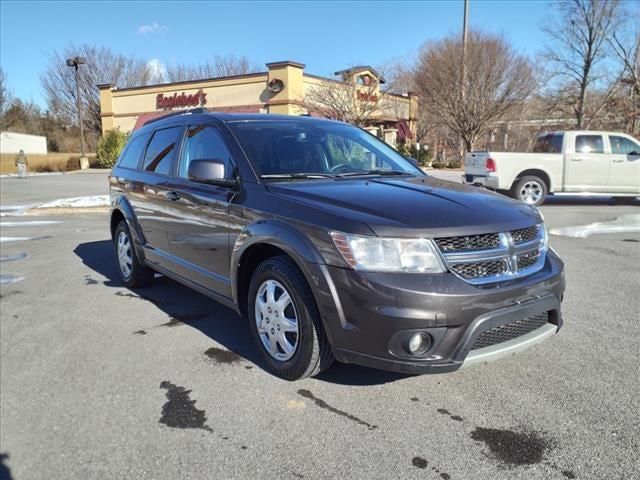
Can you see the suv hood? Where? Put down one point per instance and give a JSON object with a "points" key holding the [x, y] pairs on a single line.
{"points": [[414, 206]]}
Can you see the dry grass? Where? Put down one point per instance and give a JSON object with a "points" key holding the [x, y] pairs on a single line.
{"points": [[52, 162]]}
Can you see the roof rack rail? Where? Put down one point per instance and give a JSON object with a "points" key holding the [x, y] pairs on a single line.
{"points": [[179, 112]]}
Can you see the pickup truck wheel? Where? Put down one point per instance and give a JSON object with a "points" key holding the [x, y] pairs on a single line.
{"points": [[531, 190], [132, 272], [285, 321]]}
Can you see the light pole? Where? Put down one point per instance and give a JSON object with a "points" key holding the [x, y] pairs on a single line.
{"points": [[75, 62], [463, 70]]}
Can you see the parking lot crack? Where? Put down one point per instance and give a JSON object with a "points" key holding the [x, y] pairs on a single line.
{"points": [[322, 404]]}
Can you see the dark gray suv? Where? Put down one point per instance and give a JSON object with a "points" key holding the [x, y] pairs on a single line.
{"points": [[332, 244]]}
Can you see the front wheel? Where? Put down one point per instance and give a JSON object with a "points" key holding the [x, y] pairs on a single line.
{"points": [[285, 321], [531, 190]]}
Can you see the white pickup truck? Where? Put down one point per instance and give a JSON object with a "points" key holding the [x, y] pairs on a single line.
{"points": [[570, 162]]}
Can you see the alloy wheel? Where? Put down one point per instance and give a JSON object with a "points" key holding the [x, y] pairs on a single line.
{"points": [[277, 320]]}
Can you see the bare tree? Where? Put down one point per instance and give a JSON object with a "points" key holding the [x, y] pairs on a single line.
{"points": [[220, 66], [347, 99], [628, 104], [103, 66], [497, 81], [5, 94], [579, 55]]}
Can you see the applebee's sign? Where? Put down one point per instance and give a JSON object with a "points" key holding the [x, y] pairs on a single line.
{"points": [[181, 100]]}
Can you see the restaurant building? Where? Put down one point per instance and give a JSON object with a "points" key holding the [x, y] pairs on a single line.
{"points": [[284, 88]]}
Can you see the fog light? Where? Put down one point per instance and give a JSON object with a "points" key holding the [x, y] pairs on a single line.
{"points": [[415, 343]]}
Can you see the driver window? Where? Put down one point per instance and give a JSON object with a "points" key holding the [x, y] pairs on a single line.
{"points": [[204, 142], [623, 146]]}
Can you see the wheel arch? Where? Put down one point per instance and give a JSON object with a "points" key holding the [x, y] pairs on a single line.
{"points": [[263, 240], [536, 172], [121, 209]]}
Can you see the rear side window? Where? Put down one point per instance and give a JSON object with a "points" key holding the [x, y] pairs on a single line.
{"points": [[162, 150], [551, 143], [132, 153], [589, 144], [204, 142], [624, 146]]}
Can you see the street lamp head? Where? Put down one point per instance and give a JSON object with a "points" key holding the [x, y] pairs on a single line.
{"points": [[75, 61]]}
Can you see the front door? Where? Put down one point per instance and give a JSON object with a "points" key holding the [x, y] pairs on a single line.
{"points": [[625, 165], [588, 166], [197, 218]]}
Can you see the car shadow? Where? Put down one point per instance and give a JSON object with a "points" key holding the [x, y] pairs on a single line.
{"points": [[186, 306]]}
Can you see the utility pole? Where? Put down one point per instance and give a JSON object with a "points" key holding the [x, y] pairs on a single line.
{"points": [[463, 69], [75, 62]]}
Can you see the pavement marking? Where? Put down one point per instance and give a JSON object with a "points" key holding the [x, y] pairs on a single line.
{"points": [[624, 223]]}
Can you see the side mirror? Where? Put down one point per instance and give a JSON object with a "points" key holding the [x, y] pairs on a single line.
{"points": [[208, 171]]}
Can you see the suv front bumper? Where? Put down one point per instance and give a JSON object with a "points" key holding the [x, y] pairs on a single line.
{"points": [[368, 310]]}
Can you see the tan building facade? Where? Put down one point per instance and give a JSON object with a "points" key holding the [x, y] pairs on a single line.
{"points": [[283, 89]]}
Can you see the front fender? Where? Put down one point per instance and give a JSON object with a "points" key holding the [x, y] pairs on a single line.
{"points": [[304, 253], [279, 234]]}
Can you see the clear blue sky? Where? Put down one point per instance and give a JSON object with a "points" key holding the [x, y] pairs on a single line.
{"points": [[326, 36]]}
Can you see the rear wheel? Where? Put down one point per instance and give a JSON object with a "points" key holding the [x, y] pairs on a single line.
{"points": [[531, 190], [285, 321], [132, 272]]}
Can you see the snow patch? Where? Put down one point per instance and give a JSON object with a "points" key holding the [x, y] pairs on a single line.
{"points": [[31, 174], [77, 202], [14, 239], [5, 279], [12, 258], [625, 223], [34, 223]]}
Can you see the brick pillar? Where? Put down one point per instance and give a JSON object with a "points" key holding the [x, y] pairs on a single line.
{"points": [[290, 100], [106, 107], [413, 114]]}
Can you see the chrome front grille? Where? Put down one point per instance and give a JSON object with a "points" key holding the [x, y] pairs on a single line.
{"points": [[495, 257], [524, 234], [480, 269], [471, 242]]}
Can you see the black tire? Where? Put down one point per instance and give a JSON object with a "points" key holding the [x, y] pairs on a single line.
{"points": [[540, 188], [313, 353], [139, 275]]}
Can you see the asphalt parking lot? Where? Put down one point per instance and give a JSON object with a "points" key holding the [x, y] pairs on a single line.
{"points": [[98, 381]]}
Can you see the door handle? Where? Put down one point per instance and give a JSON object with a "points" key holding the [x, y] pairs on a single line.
{"points": [[576, 159], [173, 196], [618, 161]]}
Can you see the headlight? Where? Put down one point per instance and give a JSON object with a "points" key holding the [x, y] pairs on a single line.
{"points": [[545, 237], [388, 254]]}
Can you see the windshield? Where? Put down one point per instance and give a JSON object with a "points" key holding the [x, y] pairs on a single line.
{"points": [[302, 149]]}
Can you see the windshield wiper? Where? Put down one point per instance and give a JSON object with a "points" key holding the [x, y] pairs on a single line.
{"points": [[297, 175], [375, 171]]}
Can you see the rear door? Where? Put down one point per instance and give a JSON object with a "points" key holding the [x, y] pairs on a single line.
{"points": [[150, 199], [587, 165], [197, 218], [625, 165]]}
